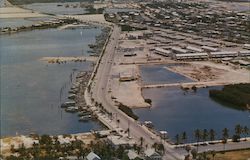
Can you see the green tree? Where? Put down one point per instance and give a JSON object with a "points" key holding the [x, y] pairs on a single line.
{"points": [[197, 135], [177, 138], [205, 135], [245, 131], [184, 137], [212, 135]]}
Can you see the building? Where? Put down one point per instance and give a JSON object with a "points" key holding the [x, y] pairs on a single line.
{"points": [[244, 53], [151, 154], [246, 46], [92, 156], [162, 52], [223, 54], [191, 56], [132, 155], [117, 141], [178, 50], [210, 49], [125, 76], [194, 49]]}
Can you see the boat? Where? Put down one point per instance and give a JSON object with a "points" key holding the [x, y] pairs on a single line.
{"points": [[71, 109], [72, 96], [73, 91], [68, 104], [85, 118], [84, 113]]}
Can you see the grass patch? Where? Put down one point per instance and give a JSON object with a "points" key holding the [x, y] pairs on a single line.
{"points": [[130, 28], [128, 111]]}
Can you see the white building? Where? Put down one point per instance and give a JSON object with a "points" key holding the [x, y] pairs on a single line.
{"points": [[193, 56], [178, 50], [93, 156], [223, 54], [162, 51], [244, 53], [151, 154]]}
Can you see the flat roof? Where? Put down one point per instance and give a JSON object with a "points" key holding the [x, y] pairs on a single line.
{"points": [[223, 52], [191, 54]]}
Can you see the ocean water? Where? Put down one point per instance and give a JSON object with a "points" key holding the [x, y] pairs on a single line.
{"points": [[30, 88]]}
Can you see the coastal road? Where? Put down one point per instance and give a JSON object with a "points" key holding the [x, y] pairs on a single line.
{"points": [[100, 94]]}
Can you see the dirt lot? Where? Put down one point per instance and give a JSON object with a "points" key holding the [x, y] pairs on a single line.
{"points": [[212, 72], [234, 155]]}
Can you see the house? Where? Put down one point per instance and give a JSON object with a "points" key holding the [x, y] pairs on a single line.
{"points": [[132, 155], [151, 154], [92, 156]]}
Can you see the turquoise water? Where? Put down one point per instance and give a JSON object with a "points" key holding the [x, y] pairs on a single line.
{"points": [[30, 88], [176, 111]]}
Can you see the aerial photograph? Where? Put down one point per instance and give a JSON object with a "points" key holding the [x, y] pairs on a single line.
{"points": [[124, 79]]}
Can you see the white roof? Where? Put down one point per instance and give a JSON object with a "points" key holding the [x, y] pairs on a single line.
{"points": [[223, 53], [209, 48], [92, 156], [179, 49], [245, 52], [194, 49], [191, 54], [150, 152], [132, 154], [162, 50]]}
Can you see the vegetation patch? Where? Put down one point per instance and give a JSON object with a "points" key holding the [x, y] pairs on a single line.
{"points": [[237, 95], [131, 28], [128, 111]]}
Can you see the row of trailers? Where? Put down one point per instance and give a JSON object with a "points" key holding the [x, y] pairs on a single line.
{"points": [[183, 54]]}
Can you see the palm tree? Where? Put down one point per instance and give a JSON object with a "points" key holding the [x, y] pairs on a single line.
{"points": [[184, 137], [238, 130], [141, 141], [205, 135], [225, 136], [197, 134], [177, 138], [212, 135], [245, 131]]}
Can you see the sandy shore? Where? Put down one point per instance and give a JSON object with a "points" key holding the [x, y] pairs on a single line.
{"points": [[15, 12], [68, 59]]}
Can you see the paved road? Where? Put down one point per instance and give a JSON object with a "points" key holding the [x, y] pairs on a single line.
{"points": [[100, 93]]}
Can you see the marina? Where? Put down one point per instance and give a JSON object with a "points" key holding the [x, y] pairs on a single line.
{"points": [[42, 93]]}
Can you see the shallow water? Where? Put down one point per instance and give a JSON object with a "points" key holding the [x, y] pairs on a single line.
{"points": [[176, 111], [30, 89], [157, 74]]}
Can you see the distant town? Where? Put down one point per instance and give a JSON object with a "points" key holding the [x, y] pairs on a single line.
{"points": [[128, 80]]}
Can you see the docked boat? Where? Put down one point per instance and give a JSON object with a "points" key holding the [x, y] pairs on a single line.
{"points": [[68, 104], [84, 113], [85, 118], [71, 109], [72, 96]]}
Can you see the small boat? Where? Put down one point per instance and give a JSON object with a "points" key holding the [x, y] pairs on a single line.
{"points": [[85, 118], [73, 91], [71, 109], [83, 113], [72, 96], [68, 104]]}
